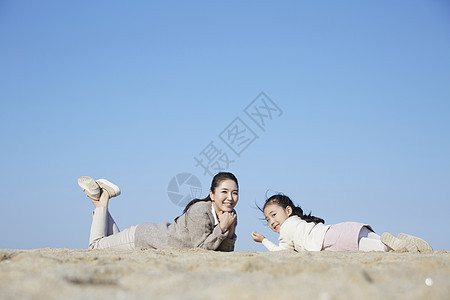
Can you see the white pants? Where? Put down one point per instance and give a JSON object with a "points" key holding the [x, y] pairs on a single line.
{"points": [[370, 241], [106, 235]]}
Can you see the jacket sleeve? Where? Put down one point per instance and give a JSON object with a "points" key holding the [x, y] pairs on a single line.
{"points": [[202, 232], [228, 243], [272, 247], [286, 241]]}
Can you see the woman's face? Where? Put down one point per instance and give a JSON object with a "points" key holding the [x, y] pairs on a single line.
{"points": [[276, 215], [225, 196]]}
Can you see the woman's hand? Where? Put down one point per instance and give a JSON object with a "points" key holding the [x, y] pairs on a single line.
{"points": [[226, 220], [257, 237]]}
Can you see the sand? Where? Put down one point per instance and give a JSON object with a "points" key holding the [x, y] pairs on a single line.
{"points": [[198, 274]]}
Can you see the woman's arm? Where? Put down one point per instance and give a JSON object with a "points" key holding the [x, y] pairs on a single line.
{"points": [[228, 243], [202, 232]]}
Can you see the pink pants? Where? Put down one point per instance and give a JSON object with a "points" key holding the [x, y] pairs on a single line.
{"points": [[352, 236]]}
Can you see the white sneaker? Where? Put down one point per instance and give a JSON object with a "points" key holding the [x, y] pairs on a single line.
{"points": [[112, 189], [89, 187], [397, 244], [421, 245]]}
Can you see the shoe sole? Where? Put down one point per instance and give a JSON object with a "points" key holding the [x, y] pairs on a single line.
{"points": [[397, 244], [112, 189], [421, 244], [89, 186]]}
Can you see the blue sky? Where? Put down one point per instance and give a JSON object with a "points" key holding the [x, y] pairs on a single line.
{"points": [[132, 92]]}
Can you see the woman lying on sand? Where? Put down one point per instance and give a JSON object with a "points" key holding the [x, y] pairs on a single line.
{"points": [[305, 232], [207, 223]]}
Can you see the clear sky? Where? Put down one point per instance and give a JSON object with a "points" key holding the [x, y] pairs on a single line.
{"points": [[356, 123]]}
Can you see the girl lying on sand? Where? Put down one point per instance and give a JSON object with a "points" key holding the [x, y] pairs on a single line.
{"points": [[207, 223], [305, 232]]}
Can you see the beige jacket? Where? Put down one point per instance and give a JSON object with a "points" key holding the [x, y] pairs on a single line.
{"points": [[197, 228], [299, 235]]}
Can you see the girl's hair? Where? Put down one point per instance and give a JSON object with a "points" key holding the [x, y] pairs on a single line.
{"points": [[217, 179], [285, 201]]}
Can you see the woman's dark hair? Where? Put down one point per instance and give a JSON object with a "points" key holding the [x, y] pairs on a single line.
{"points": [[217, 179], [285, 201]]}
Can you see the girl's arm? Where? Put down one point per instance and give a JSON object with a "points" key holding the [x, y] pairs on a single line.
{"points": [[259, 238], [268, 244]]}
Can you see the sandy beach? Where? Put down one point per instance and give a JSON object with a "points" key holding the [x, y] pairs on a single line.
{"points": [[197, 274]]}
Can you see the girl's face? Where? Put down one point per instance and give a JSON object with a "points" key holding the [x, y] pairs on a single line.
{"points": [[276, 215], [225, 196]]}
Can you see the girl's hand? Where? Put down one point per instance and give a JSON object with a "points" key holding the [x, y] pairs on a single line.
{"points": [[257, 237], [226, 220]]}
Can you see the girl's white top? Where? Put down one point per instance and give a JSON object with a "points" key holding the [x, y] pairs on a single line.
{"points": [[297, 234]]}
